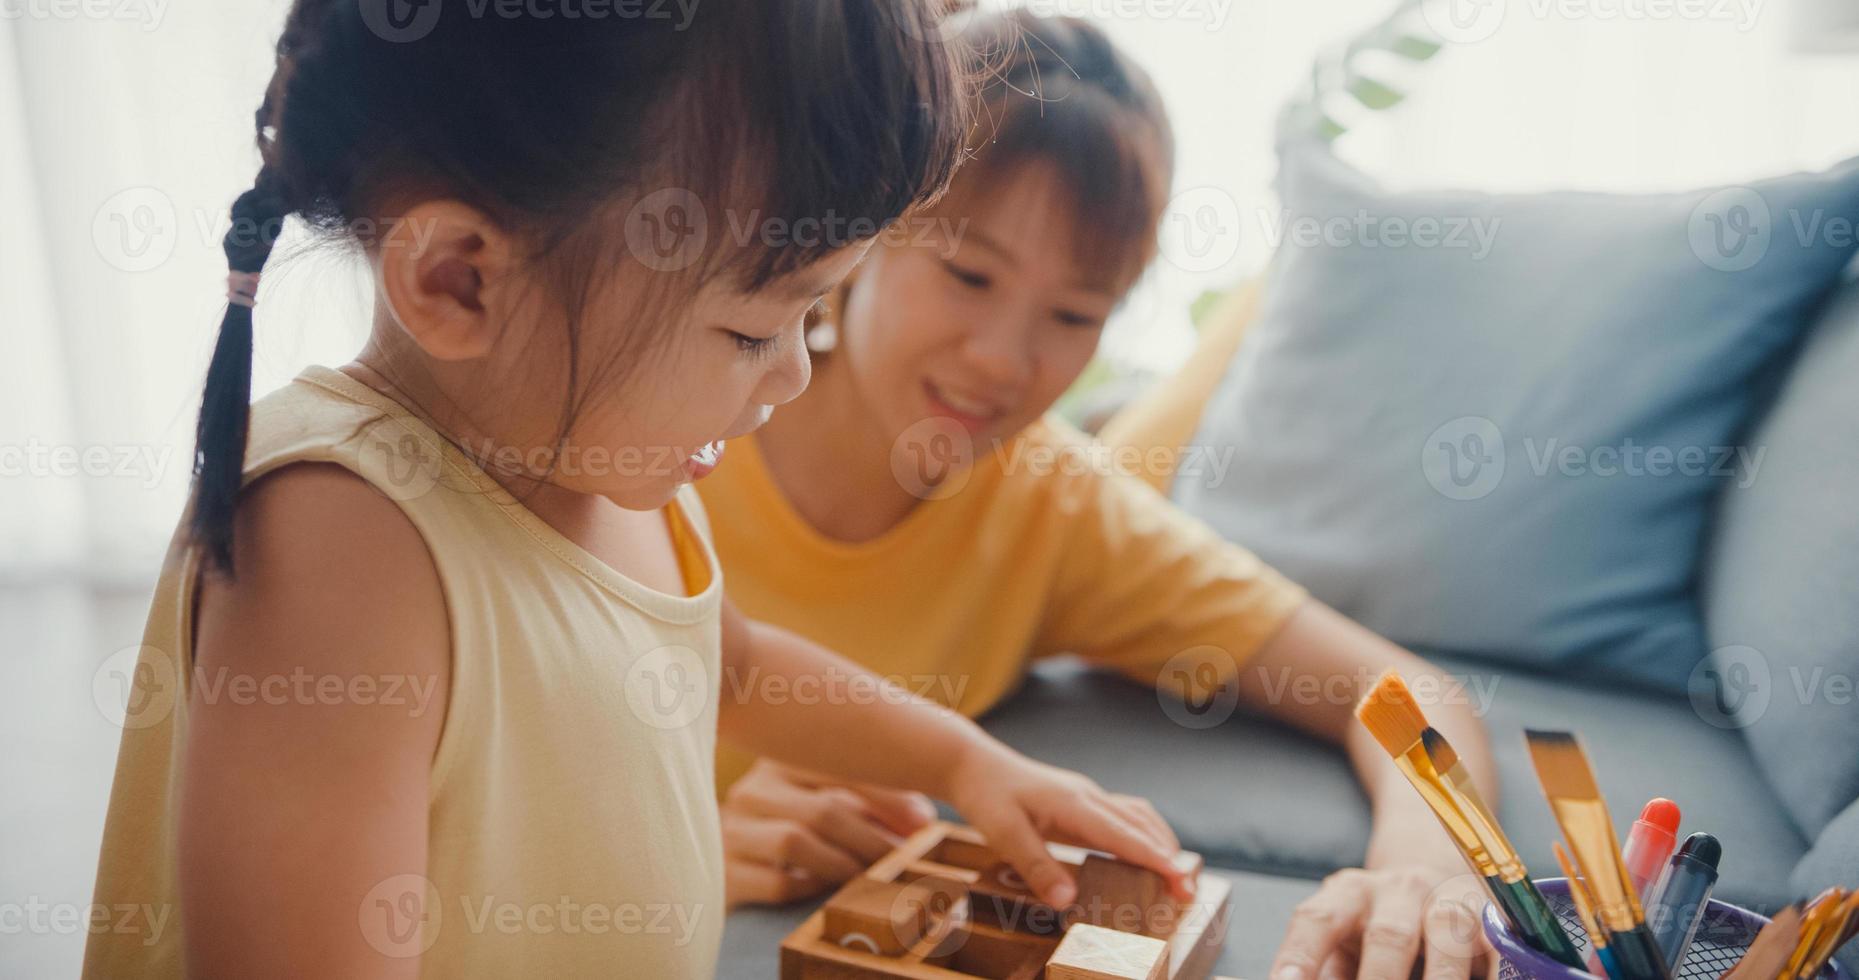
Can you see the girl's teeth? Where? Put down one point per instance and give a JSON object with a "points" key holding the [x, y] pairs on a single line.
{"points": [[708, 455]]}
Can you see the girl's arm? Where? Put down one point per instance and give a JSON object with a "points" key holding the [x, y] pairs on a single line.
{"points": [[852, 725], [298, 811]]}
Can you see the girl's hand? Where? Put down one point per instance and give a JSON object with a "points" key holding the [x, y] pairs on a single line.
{"points": [[1019, 804], [1374, 924], [789, 833]]}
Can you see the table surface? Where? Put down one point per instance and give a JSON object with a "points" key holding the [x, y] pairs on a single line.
{"points": [[1261, 909]]}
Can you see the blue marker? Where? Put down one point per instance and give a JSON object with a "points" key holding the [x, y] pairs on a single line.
{"points": [[1686, 890]]}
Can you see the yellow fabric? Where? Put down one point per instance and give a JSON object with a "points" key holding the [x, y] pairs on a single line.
{"points": [[565, 800], [1163, 420], [1032, 556]]}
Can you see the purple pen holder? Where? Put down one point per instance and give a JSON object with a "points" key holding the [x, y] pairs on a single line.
{"points": [[1723, 936]]}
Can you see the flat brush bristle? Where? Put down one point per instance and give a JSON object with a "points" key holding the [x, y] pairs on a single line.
{"points": [[1578, 893], [1439, 751], [1561, 765], [1389, 713]]}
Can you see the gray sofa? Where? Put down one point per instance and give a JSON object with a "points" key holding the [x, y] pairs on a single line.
{"points": [[1276, 812]]}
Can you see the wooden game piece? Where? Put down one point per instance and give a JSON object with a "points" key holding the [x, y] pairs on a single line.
{"points": [[886, 917], [1090, 952], [1123, 896], [1001, 897], [932, 886]]}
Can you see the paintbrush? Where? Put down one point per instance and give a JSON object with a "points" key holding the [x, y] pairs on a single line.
{"points": [[1603, 962], [1389, 713], [1514, 891], [1820, 934], [1568, 781], [1765, 957]]}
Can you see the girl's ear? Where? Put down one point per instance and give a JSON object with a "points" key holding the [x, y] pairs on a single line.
{"points": [[439, 268]]}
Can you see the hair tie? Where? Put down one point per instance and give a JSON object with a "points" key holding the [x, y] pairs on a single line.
{"points": [[242, 288]]}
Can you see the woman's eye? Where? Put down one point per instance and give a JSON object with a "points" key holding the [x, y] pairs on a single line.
{"points": [[969, 278], [1071, 319]]}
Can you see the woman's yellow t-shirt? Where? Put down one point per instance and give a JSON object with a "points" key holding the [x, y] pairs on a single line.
{"points": [[1040, 551], [573, 827]]}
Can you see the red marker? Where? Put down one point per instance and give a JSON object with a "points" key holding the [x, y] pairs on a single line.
{"points": [[1650, 845]]}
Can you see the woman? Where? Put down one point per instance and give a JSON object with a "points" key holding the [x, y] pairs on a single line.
{"points": [[917, 510]]}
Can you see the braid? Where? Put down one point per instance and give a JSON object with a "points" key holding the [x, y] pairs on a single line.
{"points": [[225, 405]]}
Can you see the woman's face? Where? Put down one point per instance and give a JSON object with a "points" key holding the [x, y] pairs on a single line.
{"points": [[983, 320]]}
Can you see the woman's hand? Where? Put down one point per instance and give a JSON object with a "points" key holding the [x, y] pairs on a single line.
{"points": [[789, 833], [1375, 924], [1019, 804]]}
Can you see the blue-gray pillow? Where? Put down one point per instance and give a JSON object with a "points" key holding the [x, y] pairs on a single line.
{"points": [[1781, 585], [1492, 425], [1833, 860]]}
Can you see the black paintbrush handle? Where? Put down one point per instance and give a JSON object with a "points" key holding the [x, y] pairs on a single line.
{"points": [[1638, 955], [1537, 919]]}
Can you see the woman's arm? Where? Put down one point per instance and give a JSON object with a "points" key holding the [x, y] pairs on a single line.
{"points": [[859, 727], [1416, 894], [295, 811]]}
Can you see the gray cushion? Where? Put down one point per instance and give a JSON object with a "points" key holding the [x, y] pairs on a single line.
{"points": [[1261, 910], [1495, 423], [1834, 860], [1253, 796], [1783, 579]]}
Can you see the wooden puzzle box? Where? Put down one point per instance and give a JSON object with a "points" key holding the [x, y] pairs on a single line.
{"points": [[944, 906]]}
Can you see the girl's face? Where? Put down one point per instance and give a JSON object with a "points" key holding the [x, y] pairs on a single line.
{"points": [[986, 323], [649, 421]]}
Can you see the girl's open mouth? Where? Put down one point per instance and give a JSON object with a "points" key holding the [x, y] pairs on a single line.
{"points": [[703, 461]]}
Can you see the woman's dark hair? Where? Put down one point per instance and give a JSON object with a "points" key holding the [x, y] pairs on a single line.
{"points": [[549, 124], [1059, 93]]}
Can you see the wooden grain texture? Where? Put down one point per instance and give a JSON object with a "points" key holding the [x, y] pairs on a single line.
{"points": [[977, 920]]}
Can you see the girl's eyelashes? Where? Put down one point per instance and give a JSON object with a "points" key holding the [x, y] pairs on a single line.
{"points": [[759, 347], [755, 347], [1071, 319], [967, 277]]}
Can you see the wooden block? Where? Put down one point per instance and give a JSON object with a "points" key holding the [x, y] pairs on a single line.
{"points": [[999, 897], [1091, 953], [1128, 898], [884, 917]]}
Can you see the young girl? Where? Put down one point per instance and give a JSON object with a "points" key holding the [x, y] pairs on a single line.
{"points": [[844, 521], [431, 681]]}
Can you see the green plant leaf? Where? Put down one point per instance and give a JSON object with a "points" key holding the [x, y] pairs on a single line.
{"points": [[1414, 48], [1373, 94]]}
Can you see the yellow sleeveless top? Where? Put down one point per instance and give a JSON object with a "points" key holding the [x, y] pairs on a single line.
{"points": [[573, 825]]}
